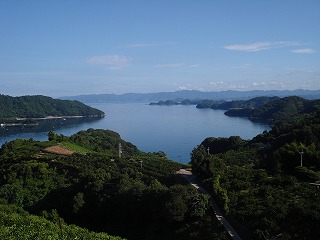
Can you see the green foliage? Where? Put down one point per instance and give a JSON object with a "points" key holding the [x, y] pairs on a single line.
{"points": [[27, 183], [72, 146], [103, 141], [170, 102], [260, 183], [42, 106], [78, 202], [198, 205], [177, 205], [278, 110], [52, 136], [222, 145], [134, 196], [236, 104], [307, 175], [166, 103], [17, 224], [221, 193]]}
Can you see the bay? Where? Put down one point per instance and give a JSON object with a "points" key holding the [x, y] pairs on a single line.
{"points": [[175, 130]]}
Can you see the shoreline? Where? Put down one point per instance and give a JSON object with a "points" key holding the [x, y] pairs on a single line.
{"points": [[22, 121]]}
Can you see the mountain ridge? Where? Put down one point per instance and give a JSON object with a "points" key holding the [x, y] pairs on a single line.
{"points": [[191, 94]]}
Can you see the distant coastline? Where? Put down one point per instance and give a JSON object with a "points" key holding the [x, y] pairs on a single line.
{"points": [[34, 121], [59, 117]]}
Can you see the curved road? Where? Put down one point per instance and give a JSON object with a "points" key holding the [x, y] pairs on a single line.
{"points": [[218, 214]]}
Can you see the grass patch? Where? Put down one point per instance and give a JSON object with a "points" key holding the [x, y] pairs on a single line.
{"points": [[75, 147]]}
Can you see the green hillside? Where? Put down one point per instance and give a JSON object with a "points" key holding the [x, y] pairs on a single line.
{"points": [[278, 110], [267, 186], [260, 183], [17, 224], [42, 106], [136, 196], [243, 104]]}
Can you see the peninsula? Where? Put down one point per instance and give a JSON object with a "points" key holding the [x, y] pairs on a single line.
{"points": [[28, 110]]}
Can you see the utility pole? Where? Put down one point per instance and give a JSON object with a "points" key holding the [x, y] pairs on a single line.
{"points": [[141, 164], [208, 149], [120, 150], [180, 158], [301, 154]]}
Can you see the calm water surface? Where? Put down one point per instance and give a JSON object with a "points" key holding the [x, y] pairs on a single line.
{"points": [[175, 130]]}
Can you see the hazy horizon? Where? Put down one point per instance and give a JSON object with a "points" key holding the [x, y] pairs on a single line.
{"points": [[175, 91], [69, 48], [119, 94]]}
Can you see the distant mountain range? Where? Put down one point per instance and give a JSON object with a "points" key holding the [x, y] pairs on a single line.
{"points": [[192, 95]]}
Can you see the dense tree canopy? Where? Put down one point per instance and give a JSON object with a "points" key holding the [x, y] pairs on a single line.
{"points": [[260, 184], [42, 106], [279, 110], [17, 224], [236, 104], [135, 196], [266, 186]]}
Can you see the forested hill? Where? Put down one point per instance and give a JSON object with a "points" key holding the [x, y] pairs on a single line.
{"points": [[83, 180], [278, 110], [42, 106], [268, 186], [270, 110], [226, 105]]}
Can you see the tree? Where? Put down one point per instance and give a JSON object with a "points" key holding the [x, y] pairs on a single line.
{"points": [[78, 202], [198, 205], [177, 203], [52, 136]]}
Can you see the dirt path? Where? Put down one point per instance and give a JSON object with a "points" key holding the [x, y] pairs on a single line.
{"points": [[218, 214]]}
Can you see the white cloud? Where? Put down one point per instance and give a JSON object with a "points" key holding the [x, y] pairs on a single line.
{"points": [[268, 85], [221, 85], [144, 45], [303, 50], [170, 65], [110, 61], [176, 65], [259, 46], [235, 86], [183, 88], [257, 84], [189, 87], [215, 84]]}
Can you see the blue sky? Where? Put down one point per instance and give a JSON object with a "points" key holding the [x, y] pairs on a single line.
{"points": [[64, 48]]}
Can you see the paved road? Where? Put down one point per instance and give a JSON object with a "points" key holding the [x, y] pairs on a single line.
{"points": [[218, 214]]}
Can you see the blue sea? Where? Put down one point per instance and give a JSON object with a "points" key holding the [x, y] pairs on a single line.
{"points": [[175, 130]]}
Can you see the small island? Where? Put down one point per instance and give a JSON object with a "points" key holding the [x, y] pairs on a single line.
{"points": [[28, 110], [175, 102]]}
